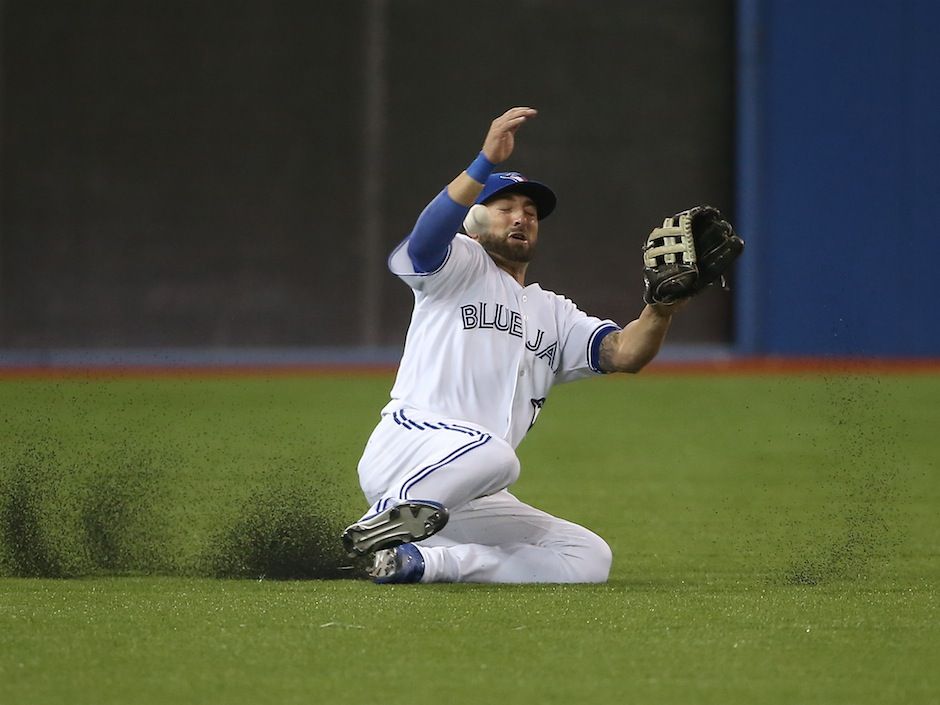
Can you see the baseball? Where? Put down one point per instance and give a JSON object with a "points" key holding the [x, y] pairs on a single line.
{"points": [[477, 221]]}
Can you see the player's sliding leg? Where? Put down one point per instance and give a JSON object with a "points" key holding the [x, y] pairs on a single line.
{"points": [[417, 469], [498, 539], [402, 564]]}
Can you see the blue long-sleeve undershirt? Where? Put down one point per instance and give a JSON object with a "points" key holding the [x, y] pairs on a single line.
{"points": [[433, 232]]}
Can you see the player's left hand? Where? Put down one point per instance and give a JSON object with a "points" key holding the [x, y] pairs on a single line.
{"points": [[691, 251], [670, 310]]}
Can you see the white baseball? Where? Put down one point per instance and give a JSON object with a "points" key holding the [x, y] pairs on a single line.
{"points": [[477, 221]]}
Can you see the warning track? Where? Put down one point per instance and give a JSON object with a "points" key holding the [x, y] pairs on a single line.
{"points": [[731, 366]]}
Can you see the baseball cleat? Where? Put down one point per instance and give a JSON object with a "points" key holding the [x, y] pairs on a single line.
{"points": [[403, 523], [402, 564]]}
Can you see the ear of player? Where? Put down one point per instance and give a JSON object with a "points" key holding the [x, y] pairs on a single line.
{"points": [[691, 251]]}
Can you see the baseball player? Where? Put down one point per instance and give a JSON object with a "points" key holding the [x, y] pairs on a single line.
{"points": [[482, 352]]}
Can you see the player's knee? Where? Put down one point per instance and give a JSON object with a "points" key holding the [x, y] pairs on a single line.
{"points": [[603, 557], [503, 464], [512, 468], [595, 559]]}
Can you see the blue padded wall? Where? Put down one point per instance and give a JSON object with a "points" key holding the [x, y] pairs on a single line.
{"points": [[837, 187]]}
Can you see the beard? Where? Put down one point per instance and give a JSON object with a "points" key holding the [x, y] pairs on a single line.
{"points": [[505, 248]]}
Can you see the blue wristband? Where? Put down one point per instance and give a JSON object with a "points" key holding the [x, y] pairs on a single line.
{"points": [[480, 169]]}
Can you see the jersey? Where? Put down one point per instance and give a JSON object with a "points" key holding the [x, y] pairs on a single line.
{"points": [[483, 348]]}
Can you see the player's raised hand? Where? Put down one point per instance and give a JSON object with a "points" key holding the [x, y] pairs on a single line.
{"points": [[501, 139]]}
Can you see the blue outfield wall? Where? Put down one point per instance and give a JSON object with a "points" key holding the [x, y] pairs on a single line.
{"points": [[838, 151]]}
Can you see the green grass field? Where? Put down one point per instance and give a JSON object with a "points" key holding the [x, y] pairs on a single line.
{"points": [[776, 540]]}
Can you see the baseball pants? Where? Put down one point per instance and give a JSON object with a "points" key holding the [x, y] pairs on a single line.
{"points": [[491, 536]]}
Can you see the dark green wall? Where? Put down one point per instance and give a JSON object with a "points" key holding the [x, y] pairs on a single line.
{"points": [[192, 173]]}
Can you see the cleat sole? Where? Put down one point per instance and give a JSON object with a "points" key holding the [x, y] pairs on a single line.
{"points": [[404, 523]]}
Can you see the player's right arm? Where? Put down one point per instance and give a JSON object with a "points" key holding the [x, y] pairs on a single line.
{"points": [[441, 219]]}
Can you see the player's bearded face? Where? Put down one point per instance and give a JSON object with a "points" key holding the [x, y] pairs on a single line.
{"points": [[514, 229]]}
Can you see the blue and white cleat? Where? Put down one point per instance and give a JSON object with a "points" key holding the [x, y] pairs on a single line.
{"points": [[402, 564], [403, 523]]}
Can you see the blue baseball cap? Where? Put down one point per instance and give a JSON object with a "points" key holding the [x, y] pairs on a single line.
{"points": [[513, 182]]}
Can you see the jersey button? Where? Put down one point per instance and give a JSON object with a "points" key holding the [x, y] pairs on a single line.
{"points": [[524, 299], [522, 373]]}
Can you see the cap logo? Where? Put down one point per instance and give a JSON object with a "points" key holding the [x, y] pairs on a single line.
{"points": [[513, 176]]}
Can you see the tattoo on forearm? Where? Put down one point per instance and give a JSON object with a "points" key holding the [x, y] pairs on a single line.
{"points": [[606, 357]]}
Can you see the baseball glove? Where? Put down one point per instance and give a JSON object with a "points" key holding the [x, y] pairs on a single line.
{"points": [[692, 250]]}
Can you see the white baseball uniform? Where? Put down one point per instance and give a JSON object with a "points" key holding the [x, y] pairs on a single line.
{"points": [[481, 354]]}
